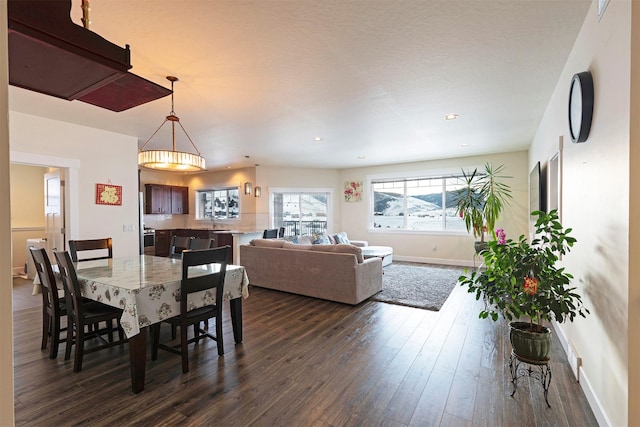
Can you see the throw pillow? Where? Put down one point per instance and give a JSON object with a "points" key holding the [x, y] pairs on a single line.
{"points": [[320, 239], [305, 240], [342, 238], [292, 239]]}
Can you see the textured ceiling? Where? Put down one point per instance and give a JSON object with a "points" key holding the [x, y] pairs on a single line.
{"points": [[373, 78]]}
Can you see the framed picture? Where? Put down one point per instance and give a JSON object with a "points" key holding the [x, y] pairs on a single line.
{"points": [[108, 194], [555, 183], [353, 191]]}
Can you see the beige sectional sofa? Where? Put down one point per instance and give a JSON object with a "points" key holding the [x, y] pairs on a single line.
{"points": [[331, 272]]}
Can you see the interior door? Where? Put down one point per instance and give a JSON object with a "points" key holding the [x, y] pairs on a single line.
{"points": [[54, 211]]}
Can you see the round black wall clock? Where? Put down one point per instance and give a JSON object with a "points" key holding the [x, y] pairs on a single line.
{"points": [[580, 106]]}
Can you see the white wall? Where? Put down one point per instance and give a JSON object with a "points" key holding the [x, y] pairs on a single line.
{"points": [[93, 156], [27, 210], [595, 203], [450, 248]]}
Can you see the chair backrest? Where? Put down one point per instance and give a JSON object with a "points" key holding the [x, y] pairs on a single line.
{"points": [[71, 285], [270, 233], [179, 244], [50, 299], [100, 247], [199, 279], [202, 244]]}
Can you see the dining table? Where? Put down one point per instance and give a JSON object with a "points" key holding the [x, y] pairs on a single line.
{"points": [[147, 289]]}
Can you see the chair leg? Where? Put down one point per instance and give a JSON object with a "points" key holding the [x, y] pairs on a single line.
{"points": [[45, 328], [155, 340], [196, 332], [219, 335], [55, 338], [79, 342], [184, 349], [71, 337], [120, 332]]}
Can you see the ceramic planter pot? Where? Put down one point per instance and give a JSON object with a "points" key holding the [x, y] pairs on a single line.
{"points": [[534, 346]]}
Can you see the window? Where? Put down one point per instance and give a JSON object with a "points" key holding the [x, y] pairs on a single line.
{"points": [[218, 204], [417, 204], [301, 213]]}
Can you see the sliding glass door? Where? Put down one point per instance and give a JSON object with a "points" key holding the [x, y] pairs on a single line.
{"points": [[301, 212]]}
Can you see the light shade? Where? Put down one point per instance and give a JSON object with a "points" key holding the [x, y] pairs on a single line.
{"points": [[258, 191], [247, 188], [171, 160]]}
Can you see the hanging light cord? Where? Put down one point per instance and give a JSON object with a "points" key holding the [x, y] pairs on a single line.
{"points": [[173, 119]]}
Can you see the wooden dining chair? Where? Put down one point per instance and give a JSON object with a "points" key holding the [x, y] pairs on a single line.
{"points": [[211, 283], [81, 316], [178, 245], [54, 307], [197, 243], [271, 233], [94, 248]]}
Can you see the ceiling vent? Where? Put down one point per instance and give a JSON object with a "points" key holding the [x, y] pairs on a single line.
{"points": [[50, 54]]}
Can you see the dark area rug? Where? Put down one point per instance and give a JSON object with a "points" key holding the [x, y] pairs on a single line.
{"points": [[425, 286]]}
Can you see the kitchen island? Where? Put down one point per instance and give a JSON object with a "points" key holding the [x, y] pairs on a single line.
{"points": [[233, 238]]}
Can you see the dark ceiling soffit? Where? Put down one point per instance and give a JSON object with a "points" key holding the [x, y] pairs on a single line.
{"points": [[50, 54]]}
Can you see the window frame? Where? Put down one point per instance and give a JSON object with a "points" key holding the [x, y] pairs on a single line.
{"points": [[410, 176], [213, 217]]}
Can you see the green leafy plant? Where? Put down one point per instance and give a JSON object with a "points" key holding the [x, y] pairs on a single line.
{"points": [[520, 279], [481, 200]]}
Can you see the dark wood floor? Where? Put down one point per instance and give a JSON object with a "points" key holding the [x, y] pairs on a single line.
{"points": [[303, 362]]}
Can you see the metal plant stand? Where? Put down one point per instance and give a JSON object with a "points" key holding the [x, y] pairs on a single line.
{"points": [[538, 369]]}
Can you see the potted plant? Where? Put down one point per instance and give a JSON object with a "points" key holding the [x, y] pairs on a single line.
{"points": [[481, 200], [520, 279]]}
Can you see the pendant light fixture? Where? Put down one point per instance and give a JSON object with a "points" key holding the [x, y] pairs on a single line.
{"points": [[257, 191], [171, 160]]}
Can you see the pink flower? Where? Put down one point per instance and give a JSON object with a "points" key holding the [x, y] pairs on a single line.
{"points": [[502, 236]]}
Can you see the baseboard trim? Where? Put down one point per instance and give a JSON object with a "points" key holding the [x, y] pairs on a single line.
{"points": [[583, 379]]}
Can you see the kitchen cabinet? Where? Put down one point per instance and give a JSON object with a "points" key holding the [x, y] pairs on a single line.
{"points": [[163, 241], [166, 199], [180, 200], [222, 239]]}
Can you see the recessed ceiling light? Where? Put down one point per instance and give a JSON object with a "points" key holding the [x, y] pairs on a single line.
{"points": [[451, 117], [361, 157], [464, 145], [317, 139]]}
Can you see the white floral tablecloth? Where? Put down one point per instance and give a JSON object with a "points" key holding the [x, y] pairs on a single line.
{"points": [[147, 288]]}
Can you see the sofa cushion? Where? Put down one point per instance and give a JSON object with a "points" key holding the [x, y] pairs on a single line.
{"points": [[341, 238], [341, 248], [267, 243], [291, 245]]}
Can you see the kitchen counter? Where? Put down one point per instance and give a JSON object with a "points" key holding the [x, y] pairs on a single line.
{"points": [[233, 238]]}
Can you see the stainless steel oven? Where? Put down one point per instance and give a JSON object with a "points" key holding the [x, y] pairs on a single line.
{"points": [[149, 239]]}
